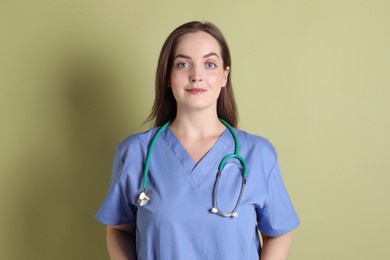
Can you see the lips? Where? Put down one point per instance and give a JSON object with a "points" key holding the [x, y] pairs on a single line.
{"points": [[196, 91]]}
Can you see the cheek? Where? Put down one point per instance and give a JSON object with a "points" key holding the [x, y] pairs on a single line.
{"points": [[177, 77], [218, 79], [172, 78]]}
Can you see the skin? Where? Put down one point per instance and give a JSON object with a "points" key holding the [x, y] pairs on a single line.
{"points": [[276, 248], [197, 77], [121, 242], [198, 74]]}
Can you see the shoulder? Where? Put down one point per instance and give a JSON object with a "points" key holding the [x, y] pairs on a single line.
{"points": [[257, 147], [136, 142], [253, 141]]}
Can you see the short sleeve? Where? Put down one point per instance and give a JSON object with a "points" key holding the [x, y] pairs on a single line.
{"points": [[278, 217], [116, 208]]}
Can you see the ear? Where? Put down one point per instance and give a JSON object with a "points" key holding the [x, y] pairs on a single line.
{"points": [[226, 71]]}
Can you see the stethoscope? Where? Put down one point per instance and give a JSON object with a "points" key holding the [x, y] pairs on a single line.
{"points": [[146, 195]]}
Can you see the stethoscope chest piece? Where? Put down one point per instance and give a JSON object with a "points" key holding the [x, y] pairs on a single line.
{"points": [[144, 197]]}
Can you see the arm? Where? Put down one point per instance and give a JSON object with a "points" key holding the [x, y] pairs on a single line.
{"points": [[121, 242], [276, 248]]}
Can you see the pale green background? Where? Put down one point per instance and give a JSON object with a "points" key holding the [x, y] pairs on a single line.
{"points": [[77, 77]]}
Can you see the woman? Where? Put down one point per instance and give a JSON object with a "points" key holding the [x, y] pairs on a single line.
{"points": [[175, 210]]}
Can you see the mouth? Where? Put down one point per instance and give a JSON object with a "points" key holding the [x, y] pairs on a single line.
{"points": [[196, 90]]}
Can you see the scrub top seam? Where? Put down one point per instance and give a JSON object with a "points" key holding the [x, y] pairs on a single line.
{"points": [[268, 180]]}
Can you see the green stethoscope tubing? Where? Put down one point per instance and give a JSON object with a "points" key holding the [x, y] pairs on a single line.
{"points": [[150, 151], [236, 151], [145, 196]]}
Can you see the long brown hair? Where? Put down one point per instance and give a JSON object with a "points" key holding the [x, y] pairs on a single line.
{"points": [[164, 107]]}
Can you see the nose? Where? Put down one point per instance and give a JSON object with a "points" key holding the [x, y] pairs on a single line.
{"points": [[195, 79], [195, 75]]}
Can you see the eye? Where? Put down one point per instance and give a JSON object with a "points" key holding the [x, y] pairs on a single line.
{"points": [[211, 65], [182, 65]]}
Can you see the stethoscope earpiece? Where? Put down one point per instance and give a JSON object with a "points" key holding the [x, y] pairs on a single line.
{"points": [[215, 210]]}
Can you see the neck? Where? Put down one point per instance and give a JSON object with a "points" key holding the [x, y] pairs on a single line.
{"points": [[197, 125]]}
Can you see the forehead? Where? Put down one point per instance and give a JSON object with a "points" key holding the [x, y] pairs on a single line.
{"points": [[197, 43]]}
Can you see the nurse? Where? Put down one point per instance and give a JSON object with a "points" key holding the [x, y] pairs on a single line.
{"points": [[194, 92]]}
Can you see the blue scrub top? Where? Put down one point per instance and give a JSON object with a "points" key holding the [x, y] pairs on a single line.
{"points": [[177, 222]]}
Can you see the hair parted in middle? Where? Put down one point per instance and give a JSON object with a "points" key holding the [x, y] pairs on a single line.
{"points": [[164, 107]]}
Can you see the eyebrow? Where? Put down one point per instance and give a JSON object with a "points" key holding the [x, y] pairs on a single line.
{"points": [[188, 57]]}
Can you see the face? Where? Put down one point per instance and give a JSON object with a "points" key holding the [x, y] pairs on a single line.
{"points": [[198, 73]]}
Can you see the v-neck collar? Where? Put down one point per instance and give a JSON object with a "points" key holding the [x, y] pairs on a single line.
{"points": [[211, 159]]}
